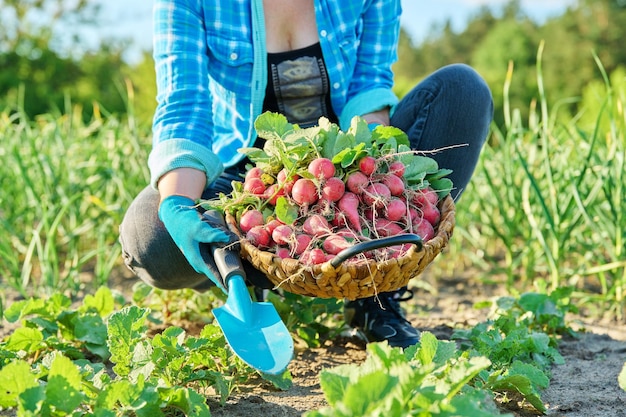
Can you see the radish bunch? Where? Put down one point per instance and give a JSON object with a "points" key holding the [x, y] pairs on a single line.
{"points": [[314, 192]]}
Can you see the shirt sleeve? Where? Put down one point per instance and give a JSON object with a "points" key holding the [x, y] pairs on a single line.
{"points": [[371, 84], [182, 123]]}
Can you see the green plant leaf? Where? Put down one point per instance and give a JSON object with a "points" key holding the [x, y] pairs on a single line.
{"points": [[343, 141], [187, 400], [15, 379], [442, 186], [285, 211], [621, 379], [22, 308], [126, 328], [368, 391], [25, 338], [32, 402], [91, 329], [328, 132], [334, 383], [534, 374], [283, 381], [428, 348], [446, 350], [272, 125], [419, 166], [360, 130], [64, 384], [388, 133], [102, 301], [523, 378]]}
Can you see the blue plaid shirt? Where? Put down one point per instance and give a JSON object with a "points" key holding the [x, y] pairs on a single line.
{"points": [[211, 67]]}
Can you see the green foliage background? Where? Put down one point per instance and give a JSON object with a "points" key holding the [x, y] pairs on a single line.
{"points": [[37, 75]]}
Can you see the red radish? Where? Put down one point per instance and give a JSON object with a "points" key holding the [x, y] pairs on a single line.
{"points": [[334, 244], [397, 168], [386, 227], [413, 214], [333, 189], [300, 243], [317, 256], [395, 210], [349, 205], [249, 219], [322, 168], [376, 195], [339, 219], [254, 172], [346, 233], [356, 182], [369, 214], [286, 183], [254, 185], [424, 229], [272, 224], [424, 196], [304, 192], [316, 225], [259, 237], [283, 253], [367, 165], [394, 183], [282, 235], [272, 193], [431, 213]]}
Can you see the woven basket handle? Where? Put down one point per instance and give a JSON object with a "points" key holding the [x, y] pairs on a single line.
{"points": [[376, 244]]}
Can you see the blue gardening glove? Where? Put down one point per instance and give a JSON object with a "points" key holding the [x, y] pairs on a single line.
{"points": [[183, 222]]}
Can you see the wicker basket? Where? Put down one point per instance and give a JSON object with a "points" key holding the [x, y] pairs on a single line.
{"points": [[350, 280]]}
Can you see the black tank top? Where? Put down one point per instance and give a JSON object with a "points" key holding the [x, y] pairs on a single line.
{"points": [[298, 86]]}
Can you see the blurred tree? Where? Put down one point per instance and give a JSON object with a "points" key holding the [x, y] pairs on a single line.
{"points": [[143, 84], [38, 72], [593, 26], [512, 40], [489, 43]]}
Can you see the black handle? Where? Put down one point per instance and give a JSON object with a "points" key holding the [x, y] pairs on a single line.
{"points": [[226, 258], [375, 244]]}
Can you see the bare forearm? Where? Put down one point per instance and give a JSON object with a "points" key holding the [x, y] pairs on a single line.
{"points": [[380, 116], [187, 182]]}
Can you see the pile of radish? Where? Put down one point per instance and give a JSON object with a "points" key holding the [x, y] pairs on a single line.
{"points": [[313, 192]]}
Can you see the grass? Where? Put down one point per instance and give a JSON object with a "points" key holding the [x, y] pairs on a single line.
{"points": [[65, 187], [546, 206]]}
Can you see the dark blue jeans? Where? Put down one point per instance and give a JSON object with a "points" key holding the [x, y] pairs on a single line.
{"points": [[449, 111]]}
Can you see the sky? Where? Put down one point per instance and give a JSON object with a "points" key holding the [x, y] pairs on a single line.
{"points": [[132, 19]]}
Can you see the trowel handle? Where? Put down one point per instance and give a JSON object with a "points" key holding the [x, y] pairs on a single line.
{"points": [[226, 256]]}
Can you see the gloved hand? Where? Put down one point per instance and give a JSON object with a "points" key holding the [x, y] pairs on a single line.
{"points": [[188, 230]]}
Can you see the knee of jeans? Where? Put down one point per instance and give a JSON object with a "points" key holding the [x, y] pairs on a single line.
{"points": [[467, 77]]}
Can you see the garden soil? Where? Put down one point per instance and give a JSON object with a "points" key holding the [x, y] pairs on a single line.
{"points": [[585, 386]]}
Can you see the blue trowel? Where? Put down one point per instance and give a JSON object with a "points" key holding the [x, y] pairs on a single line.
{"points": [[254, 330]]}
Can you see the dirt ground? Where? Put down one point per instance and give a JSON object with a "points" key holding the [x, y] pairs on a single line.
{"points": [[585, 386]]}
